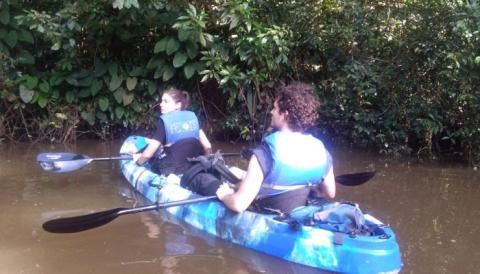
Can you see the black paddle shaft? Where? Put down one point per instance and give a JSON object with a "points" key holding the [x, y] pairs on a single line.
{"points": [[90, 221]]}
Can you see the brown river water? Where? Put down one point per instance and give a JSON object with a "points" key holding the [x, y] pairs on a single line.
{"points": [[433, 209]]}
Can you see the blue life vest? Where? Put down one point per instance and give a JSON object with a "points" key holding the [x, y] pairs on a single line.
{"points": [[298, 159], [180, 125]]}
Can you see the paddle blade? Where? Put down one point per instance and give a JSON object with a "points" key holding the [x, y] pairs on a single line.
{"points": [[81, 223], [59, 156], [62, 162], [354, 179]]}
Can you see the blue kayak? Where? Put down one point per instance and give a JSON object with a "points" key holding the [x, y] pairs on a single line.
{"points": [[308, 245]]}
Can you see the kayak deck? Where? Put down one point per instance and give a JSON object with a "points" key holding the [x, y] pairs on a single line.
{"points": [[307, 245]]}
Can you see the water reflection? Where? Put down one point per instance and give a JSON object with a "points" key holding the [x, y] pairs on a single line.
{"points": [[432, 208]]}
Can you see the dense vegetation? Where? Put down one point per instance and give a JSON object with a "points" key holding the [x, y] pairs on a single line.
{"points": [[401, 76]]}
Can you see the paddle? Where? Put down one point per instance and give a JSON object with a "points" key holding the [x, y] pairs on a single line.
{"points": [[65, 162], [355, 179], [89, 221]]}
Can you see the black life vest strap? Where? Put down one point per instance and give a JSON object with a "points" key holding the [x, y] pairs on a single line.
{"points": [[209, 163]]}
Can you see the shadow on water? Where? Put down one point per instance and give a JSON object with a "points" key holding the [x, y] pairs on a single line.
{"points": [[432, 208]]}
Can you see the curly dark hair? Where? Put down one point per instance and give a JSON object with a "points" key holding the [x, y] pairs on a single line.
{"points": [[301, 103]]}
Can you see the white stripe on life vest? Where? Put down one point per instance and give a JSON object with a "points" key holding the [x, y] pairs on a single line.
{"points": [[280, 187]]}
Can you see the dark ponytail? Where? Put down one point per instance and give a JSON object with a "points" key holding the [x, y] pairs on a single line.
{"points": [[186, 100]]}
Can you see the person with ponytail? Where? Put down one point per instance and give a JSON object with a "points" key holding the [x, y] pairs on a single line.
{"points": [[178, 136]]}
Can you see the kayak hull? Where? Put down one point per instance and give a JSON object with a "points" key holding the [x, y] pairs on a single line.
{"points": [[306, 245]]}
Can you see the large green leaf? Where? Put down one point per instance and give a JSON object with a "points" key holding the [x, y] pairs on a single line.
{"points": [[24, 57], [155, 62], [42, 101], [56, 80], [168, 73], [96, 86], [82, 74], [160, 45], [158, 72], [234, 21], [56, 46], [31, 82], [112, 69], [54, 94], [131, 83], [101, 116], [119, 111], [44, 87], [128, 99], [172, 46], [4, 48], [5, 15], [201, 39], [70, 96], [118, 4], [40, 28], [25, 36], [189, 70], [103, 103], [152, 87], [132, 3], [88, 116], [184, 35], [100, 68], [192, 50], [11, 38], [179, 59], [118, 95], [137, 107], [115, 82], [84, 93], [72, 80], [26, 94], [477, 60], [85, 82], [136, 72]]}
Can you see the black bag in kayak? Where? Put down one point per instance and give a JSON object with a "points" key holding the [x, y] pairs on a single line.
{"points": [[206, 174]]}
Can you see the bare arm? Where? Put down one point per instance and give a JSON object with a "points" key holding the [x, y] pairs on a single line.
{"points": [[247, 190], [142, 158], [327, 188], [205, 142]]}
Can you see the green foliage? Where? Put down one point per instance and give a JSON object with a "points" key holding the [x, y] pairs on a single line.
{"points": [[386, 74], [394, 79]]}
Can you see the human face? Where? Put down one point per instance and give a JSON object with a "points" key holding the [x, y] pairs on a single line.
{"points": [[168, 104], [279, 120]]}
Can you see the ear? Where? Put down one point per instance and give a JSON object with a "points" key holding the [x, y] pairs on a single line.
{"points": [[178, 106]]}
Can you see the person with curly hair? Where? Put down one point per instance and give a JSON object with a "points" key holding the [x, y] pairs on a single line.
{"points": [[290, 164]]}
